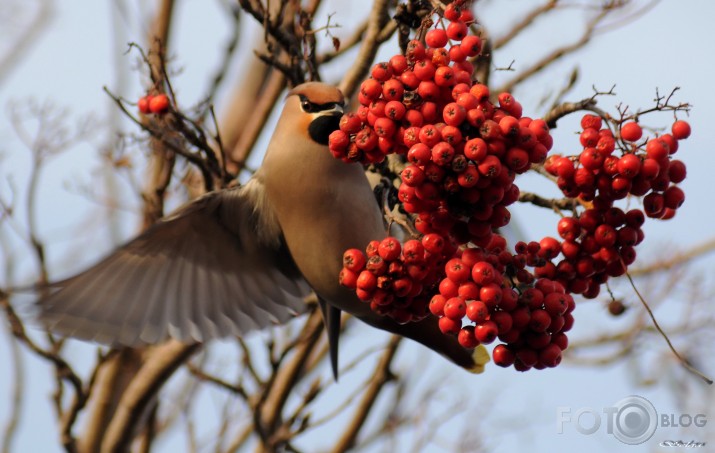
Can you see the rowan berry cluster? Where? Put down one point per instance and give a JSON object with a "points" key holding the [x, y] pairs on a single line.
{"points": [[600, 242], [463, 153], [392, 277], [156, 104]]}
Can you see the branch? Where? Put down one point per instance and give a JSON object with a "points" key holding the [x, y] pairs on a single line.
{"points": [[680, 358], [18, 390], [143, 388], [561, 204], [267, 418], [63, 369], [556, 54], [525, 22], [359, 69], [261, 110], [345, 44], [19, 48], [381, 376], [676, 260]]}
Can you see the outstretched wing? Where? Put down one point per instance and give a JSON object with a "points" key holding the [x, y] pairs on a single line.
{"points": [[215, 268]]}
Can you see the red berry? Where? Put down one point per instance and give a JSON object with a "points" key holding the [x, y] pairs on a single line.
{"points": [[412, 175], [486, 332], [450, 326], [455, 308], [393, 90], [477, 311], [385, 127], [436, 305], [433, 243], [454, 114], [591, 121], [549, 248], [456, 270], [419, 154], [677, 171], [442, 153], [550, 356], [452, 11], [490, 167], [398, 63], [436, 37], [413, 252], [673, 197], [629, 165], [348, 278], [471, 45], [389, 249], [681, 130], [444, 76], [490, 294], [653, 205], [372, 248], [503, 356], [371, 89], [143, 104], [367, 281], [540, 320], [159, 104], [466, 337], [483, 273], [605, 235], [381, 71], [556, 303], [503, 321], [354, 260], [657, 149], [457, 31], [631, 132]]}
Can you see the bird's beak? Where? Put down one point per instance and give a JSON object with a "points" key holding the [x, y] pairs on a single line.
{"points": [[337, 110]]}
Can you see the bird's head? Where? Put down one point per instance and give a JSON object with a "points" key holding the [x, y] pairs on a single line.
{"points": [[317, 108]]}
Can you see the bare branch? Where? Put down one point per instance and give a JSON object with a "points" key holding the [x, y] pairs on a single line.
{"points": [[676, 260], [556, 54], [381, 376], [144, 386], [368, 50], [16, 401], [682, 360], [525, 22], [562, 204]]}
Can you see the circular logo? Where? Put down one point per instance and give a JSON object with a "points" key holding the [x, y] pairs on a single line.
{"points": [[635, 420]]}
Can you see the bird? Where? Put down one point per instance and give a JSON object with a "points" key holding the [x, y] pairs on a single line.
{"points": [[243, 258]]}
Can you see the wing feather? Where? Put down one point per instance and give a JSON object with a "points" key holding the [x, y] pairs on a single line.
{"points": [[217, 267]]}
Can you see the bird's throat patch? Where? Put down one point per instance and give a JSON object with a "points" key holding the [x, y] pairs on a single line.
{"points": [[321, 128]]}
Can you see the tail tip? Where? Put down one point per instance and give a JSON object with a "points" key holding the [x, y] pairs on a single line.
{"points": [[480, 356]]}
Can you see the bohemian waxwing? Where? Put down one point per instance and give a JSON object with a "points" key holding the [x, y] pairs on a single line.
{"points": [[245, 258]]}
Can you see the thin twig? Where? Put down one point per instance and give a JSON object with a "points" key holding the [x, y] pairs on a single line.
{"points": [[525, 22], [556, 54], [683, 362], [677, 259]]}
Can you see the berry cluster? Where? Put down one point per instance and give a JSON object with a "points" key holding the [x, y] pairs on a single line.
{"points": [[600, 242], [530, 316], [391, 276], [156, 104], [463, 152]]}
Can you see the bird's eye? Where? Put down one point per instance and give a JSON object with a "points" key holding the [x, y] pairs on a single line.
{"points": [[306, 106]]}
